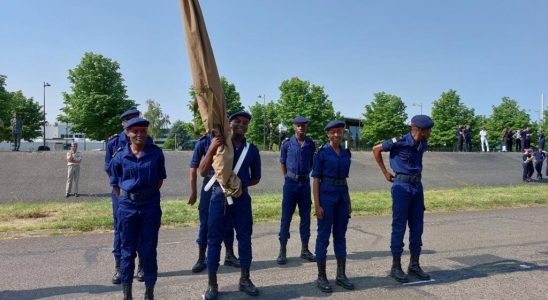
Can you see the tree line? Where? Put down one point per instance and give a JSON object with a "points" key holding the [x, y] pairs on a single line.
{"points": [[98, 96]]}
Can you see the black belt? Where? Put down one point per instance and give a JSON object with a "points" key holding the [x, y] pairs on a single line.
{"points": [[139, 196], [334, 181], [409, 178], [296, 177]]}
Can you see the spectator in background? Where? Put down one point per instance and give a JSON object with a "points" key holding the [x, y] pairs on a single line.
{"points": [[468, 138], [527, 165], [74, 158], [526, 138], [283, 130], [538, 158], [483, 140], [460, 137], [519, 140], [16, 130]]}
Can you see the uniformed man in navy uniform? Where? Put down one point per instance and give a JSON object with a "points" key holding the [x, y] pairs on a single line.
{"points": [[220, 211], [200, 149], [332, 204], [115, 144], [539, 158], [407, 193], [137, 174], [296, 158]]}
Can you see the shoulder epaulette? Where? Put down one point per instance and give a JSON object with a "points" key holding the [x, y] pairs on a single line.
{"points": [[320, 148], [113, 136], [117, 150], [396, 139]]}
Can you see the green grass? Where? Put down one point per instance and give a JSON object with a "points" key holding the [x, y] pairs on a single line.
{"points": [[23, 219]]}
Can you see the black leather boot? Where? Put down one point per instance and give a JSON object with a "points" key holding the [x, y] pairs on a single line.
{"points": [[342, 280], [306, 254], [246, 285], [230, 258], [282, 256], [396, 272], [322, 283], [200, 264], [140, 273], [149, 292], [127, 291], [212, 287], [415, 268], [116, 277]]}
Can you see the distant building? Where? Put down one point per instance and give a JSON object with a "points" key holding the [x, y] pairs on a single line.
{"points": [[353, 132]]}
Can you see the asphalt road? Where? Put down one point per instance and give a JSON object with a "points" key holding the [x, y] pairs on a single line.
{"points": [[39, 177], [497, 254]]}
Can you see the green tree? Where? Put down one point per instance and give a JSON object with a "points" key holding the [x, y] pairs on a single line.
{"points": [[158, 120], [31, 113], [97, 98], [384, 118], [262, 130], [178, 134], [507, 113], [300, 98], [448, 112], [232, 100]]}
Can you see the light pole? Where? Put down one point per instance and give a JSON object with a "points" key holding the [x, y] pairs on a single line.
{"points": [[264, 119], [44, 126], [419, 104]]}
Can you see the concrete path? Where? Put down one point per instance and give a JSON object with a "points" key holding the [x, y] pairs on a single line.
{"points": [[497, 254]]}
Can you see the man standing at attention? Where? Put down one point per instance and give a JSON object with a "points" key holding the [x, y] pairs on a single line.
{"points": [[407, 193], [16, 130], [296, 157]]}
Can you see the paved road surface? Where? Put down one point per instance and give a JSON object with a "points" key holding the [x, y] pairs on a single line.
{"points": [[37, 177], [498, 254]]}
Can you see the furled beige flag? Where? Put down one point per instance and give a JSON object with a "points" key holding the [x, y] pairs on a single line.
{"points": [[209, 93]]}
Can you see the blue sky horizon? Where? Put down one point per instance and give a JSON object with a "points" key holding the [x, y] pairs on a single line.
{"points": [[416, 50]]}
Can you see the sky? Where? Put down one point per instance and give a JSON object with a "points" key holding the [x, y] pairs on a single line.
{"points": [[413, 49]]}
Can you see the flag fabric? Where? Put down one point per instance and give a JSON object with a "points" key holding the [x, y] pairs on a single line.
{"points": [[209, 93]]}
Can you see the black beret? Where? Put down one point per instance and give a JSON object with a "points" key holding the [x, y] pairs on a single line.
{"points": [[130, 112], [299, 119], [240, 113], [422, 121], [136, 122], [334, 124]]}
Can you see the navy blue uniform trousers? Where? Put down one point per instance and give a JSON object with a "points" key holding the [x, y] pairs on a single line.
{"points": [[203, 212], [116, 244], [335, 216], [139, 226], [407, 209], [296, 193], [220, 216]]}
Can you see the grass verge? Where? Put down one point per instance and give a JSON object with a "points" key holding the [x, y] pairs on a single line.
{"points": [[38, 219]]}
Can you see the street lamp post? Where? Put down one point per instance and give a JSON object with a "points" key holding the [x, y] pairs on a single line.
{"points": [[419, 104], [44, 126], [264, 119]]}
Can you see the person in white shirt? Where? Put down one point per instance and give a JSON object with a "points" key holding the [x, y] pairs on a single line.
{"points": [[74, 158], [483, 138]]}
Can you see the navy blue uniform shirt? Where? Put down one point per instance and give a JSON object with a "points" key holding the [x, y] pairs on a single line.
{"points": [[251, 167], [328, 164], [118, 141], [298, 159], [405, 155], [141, 174], [200, 150]]}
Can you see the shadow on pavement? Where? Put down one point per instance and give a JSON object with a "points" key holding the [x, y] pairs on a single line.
{"points": [[58, 291]]}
